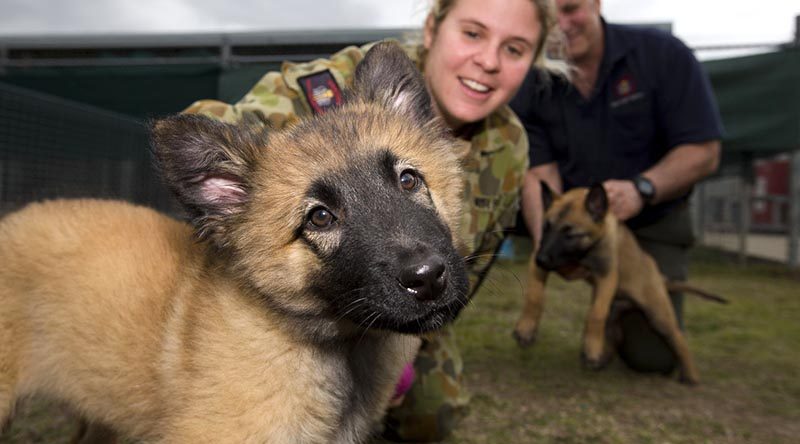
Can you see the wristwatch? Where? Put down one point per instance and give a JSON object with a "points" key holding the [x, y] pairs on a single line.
{"points": [[645, 188]]}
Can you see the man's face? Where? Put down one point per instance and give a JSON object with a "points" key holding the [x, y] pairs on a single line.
{"points": [[579, 20]]}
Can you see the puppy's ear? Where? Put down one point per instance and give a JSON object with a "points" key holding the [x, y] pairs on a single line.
{"points": [[206, 164], [597, 202], [547, 195], [387, 76]]}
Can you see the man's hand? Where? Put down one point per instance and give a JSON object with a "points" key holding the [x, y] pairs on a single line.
{"points": [[623, 198]]}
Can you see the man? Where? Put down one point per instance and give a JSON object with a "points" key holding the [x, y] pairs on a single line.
{"points": [[638, 115]]}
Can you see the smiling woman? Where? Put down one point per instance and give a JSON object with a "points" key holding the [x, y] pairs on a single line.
{"points": [[477, 55]]}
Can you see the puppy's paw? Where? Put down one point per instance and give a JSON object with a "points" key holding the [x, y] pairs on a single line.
{"points": [[690, 380], [596, 363], [524, 339]]}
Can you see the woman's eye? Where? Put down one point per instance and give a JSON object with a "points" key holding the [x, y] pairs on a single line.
{"points": [[320, 217], [471, 34], [408, 180], [513, 50]]}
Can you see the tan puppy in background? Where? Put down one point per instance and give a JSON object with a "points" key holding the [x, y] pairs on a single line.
{"points": [[324, 249], [581, 239]]}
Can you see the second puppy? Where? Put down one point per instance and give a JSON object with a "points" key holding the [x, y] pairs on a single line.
{"points": [[581, 239]]}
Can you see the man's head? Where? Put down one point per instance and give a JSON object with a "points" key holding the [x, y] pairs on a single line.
{"points": [[579, 20]]}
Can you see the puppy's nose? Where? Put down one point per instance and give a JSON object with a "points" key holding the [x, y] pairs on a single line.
{"points": [[424, 278]]}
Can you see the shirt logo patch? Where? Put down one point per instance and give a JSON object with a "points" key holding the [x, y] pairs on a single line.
{"points": [[625, 91], [321, 91]]}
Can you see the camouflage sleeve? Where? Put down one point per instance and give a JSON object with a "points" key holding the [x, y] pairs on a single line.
{"points": [[277, 98]]}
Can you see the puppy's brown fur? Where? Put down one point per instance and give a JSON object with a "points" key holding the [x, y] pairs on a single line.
{"points": [[581, 239], [292, 318]]}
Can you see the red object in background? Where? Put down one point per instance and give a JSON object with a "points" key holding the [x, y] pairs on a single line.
{"points": [[771, 179]]}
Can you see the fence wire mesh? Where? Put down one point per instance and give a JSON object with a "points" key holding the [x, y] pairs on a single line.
{"points": [[54, 148]]}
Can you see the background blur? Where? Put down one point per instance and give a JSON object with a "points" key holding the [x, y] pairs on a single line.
{"points": [[78, 78]]}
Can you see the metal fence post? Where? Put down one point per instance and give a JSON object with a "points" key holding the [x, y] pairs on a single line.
{"points": [[700, 213], [794, 210], [745, 190]]}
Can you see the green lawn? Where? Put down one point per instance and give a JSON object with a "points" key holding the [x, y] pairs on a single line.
{"points": [[747, 352]]}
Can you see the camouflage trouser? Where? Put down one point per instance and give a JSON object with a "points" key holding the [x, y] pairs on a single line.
{"points": [[436, 400], [668, 242]]}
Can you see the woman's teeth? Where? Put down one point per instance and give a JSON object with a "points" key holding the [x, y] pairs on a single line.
{"points": [[475, 86]]}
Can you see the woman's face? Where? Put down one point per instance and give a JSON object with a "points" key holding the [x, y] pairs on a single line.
{"points": [[478, 56]]}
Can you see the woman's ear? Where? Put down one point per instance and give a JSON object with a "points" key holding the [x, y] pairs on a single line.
{"points": [[429, 31]]}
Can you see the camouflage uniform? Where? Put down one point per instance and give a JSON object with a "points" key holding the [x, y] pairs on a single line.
{"points": [[494, 158]]}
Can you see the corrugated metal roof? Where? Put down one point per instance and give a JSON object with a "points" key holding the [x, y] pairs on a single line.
{"points": [[316, 36]]}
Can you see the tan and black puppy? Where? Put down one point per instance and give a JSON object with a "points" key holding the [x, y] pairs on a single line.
{"points": [[581, 239], [323, 250]]}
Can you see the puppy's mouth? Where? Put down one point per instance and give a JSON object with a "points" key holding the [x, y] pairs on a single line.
{"points": [[433, 320], [394, 308]]}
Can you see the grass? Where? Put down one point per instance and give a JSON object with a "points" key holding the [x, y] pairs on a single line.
{"points": [[747, 354]]}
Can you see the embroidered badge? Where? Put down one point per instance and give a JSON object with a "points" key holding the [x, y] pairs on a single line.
{"points": [[625, 91], [625, 86], [321, 91]]}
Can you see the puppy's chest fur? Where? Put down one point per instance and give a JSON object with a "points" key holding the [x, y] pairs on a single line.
{"points": [[296, 390]]}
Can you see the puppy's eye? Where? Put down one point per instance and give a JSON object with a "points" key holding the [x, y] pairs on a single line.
{"points": [[320, 218], [409, 180]]}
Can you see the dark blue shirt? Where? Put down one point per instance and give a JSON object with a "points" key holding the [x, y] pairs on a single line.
{"points": [[651, 95]]}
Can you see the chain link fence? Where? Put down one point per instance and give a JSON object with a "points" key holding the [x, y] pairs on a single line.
{"points": [[54, 148]]}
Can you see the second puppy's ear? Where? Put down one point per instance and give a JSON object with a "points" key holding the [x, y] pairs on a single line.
{"points": [[597, 202], [388, 76]]}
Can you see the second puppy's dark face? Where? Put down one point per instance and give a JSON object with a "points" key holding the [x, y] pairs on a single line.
{"points": [[573, 225]]}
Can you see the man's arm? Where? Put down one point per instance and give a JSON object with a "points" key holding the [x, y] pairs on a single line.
{"points": [[532, 196], [672, 176]]}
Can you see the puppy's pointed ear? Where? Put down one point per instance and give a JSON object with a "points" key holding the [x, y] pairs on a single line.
{"points": [[205, 163], [387, 76], [547, 195], [597, 202]]}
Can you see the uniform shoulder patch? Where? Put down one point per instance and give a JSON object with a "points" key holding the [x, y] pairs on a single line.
{"points": [[321, 91]]}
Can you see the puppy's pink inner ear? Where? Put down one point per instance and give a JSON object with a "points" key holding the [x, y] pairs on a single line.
{"points": [[226, 191]]}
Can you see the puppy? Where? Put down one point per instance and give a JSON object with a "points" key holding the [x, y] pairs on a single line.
{"points": [[581, 239], [283, 314]]}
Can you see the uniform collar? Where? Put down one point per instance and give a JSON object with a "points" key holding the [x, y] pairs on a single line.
{"points": [[616, 47]]}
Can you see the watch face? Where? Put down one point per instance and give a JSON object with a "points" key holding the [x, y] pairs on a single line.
{"points": [[645, 187]]}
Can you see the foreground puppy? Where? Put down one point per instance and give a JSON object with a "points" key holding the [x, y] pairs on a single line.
{"points": [[581, 239], [323, 247]]}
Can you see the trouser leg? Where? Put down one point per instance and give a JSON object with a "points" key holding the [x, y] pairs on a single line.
{"points": [[641, 347], [436, 400]]}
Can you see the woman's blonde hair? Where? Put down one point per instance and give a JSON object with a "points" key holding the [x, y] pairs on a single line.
{"points": [[550, 45]]}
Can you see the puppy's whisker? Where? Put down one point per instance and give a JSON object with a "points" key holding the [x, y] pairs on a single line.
{"points": [[369, 326], [351, 307]]}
